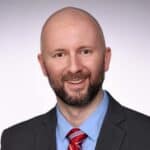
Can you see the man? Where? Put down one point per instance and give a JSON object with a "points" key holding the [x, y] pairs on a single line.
{"points": [[74, 58]]}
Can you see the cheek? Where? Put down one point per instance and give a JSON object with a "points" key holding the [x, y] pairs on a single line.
{"points": [[54, 71], [95, 68], [55, 77], [55, 67]]}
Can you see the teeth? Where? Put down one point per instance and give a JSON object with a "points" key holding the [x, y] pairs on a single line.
{"points": [[75, 81]]}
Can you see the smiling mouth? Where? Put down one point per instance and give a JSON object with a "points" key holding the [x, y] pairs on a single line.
{"points": [[75, 81], [76, 84]]}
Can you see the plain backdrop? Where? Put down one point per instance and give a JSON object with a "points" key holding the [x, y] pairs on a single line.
{"points": [[25, 92]]}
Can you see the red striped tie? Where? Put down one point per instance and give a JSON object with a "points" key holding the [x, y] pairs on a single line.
{"points": [[76, 138]]}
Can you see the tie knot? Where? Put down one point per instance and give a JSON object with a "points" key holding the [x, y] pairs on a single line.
{"points": [[76, 136]]}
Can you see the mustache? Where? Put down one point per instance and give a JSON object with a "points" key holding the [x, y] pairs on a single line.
{"points": [[75, 76]]}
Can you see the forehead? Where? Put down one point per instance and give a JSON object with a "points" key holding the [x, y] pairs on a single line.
{"points": [[70, 26], [66, 35], [65, 19]]}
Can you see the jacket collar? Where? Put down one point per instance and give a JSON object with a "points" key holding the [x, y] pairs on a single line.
{"points": [[113, 129], [46, 135]]}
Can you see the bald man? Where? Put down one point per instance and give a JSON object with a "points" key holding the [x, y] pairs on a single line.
{"points": [[74, 58]]}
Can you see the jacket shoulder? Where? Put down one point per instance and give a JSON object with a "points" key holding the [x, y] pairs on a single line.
{"points": [[125, 113], [137, 129], [24, 133], [26, 125], [136, 117], [134, 125]]}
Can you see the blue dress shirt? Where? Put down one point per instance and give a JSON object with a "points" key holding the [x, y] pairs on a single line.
{"points": [[91, 126]]}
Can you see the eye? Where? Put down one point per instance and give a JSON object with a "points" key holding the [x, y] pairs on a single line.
{"points": [[59, 55], [86, 51]]}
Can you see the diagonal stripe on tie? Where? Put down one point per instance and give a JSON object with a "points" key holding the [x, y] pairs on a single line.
{"points": [[76, 138]]}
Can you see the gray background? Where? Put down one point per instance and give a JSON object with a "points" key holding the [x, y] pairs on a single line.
{"points": [[25, 93]]}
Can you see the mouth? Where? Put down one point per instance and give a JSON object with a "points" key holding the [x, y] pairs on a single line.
{"points": [[76, 81], [76, 84]]}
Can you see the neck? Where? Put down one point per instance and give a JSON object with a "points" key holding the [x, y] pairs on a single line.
{"points": [[77, 115]]}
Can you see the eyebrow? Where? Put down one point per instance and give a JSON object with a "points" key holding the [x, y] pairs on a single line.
{"points": [[84, 47], [59, 49], [63, 49]]}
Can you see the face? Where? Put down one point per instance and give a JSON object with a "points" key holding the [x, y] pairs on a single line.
{"points": [[74, 61]]}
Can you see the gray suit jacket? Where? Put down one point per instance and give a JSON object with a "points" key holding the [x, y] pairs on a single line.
{"points": [[123, 129]]}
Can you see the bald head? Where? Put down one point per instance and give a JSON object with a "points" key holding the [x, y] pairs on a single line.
{"points": [[73, 17]]}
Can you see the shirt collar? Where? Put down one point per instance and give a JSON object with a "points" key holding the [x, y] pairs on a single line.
{"points": [[63, 126], [92, 124]]}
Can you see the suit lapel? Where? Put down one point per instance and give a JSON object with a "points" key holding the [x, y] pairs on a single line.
{"points": [[46, 133], [113, 129]]}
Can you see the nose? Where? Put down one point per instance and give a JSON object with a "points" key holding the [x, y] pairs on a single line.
{"points": [[74, 64]]}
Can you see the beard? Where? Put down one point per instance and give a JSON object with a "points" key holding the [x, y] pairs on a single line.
{"points": [[80, 99]]}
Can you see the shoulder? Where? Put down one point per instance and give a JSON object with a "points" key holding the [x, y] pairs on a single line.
{"points": [[137, 129], [24, 133], [32, 123], [134, 125], [133, 115], [137, 121], [130, 115], [134, 121]]}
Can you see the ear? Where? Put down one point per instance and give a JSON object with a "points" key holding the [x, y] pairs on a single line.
{"points": [[107, 58], [42, 64]]}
